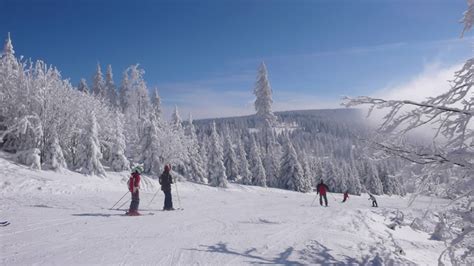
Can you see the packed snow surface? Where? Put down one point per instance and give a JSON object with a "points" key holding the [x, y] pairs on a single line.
{"points": [[64, 218]]}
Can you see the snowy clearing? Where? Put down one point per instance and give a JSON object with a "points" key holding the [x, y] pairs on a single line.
{"points": [[63, 218]]}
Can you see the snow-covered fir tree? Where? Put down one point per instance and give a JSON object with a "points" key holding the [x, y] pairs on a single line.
{"points": [[111, 91], [245, 176], [54, 158], [149, 147], [118, 161], [89, 154], [264, 101], [196, 170], [230, 159], [98, 84], [258, 171], [292, 174], [373, 183], [180, 144], [271, 158], [124, 92], [136, 107], [82, 87], [217, 175], [203, 144], [176, 121], [156, 103]]}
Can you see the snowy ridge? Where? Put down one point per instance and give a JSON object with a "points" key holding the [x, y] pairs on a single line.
{"points": [[69, 217]]}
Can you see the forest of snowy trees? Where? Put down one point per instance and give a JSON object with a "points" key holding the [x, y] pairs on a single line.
{"points": [[50, 124]]}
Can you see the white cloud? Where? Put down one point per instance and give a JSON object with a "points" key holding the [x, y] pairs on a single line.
{"points": [[432, 81]]}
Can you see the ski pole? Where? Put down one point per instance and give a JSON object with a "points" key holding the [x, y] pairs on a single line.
{"points": [[122, 204], [152, 199], [177, 193], [312, 203], [333, 196], [119, 200]]}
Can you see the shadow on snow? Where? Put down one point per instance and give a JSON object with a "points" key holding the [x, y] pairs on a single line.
{"points": [[316, 253]]}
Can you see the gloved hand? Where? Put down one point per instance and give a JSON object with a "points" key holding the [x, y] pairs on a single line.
{"points": [[135, 189]]}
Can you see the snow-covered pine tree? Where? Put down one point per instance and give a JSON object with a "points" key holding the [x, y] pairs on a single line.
{"points": [[372, 181], [203, 144], [341, 178], [156, 104], [308, 173], [29, 132], [292, 174], [245, 176], [196, 165], [111, 91], [98, 84], [354, 185], [150, 150], [13, 93], [124, 92], [256, 165], [53, 157], [230, 159], [176, 121], [118, 161], [264, 101], [89, 153], [137, 108], [329, 174], [217, 175], [180, 144], [82, 87], [271, 158]]}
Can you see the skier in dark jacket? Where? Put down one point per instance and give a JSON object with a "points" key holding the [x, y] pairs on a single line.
{"points": [[321, 189], [133, 187], [165, 181], [346, 196], [374, 201]]}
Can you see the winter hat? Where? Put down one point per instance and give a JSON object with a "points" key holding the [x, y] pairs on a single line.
{"points": [[137, 169], [167, 168]]}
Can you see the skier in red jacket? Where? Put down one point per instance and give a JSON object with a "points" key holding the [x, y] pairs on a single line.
{"points": [[321, 189], [133, 187]]}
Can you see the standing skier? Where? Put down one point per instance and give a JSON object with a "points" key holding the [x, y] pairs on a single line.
{"points": [[165, 181], [346, 196], [374, 201], [321, 189], [133, 187]]}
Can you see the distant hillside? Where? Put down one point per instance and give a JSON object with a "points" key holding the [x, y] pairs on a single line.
{"points": [[329, 145]]}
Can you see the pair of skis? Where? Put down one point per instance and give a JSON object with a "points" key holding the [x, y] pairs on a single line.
{"points": [[4, 223]]}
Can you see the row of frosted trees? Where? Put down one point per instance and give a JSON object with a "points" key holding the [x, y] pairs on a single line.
{"points": [[47, 123]]}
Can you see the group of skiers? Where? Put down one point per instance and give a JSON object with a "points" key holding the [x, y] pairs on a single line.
{"points": [[166, 180], [134, 186], [322, 188]]}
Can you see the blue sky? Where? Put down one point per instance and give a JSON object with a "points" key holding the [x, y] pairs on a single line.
{"points": [[203, 55]]}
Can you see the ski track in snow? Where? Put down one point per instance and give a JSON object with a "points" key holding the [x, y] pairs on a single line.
{"points": [[67, 221]]}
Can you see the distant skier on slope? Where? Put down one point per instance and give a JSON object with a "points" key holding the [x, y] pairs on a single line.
{"points": [[374, 201], [133, 187], [346, 196], [321, 189], [165, 181]]}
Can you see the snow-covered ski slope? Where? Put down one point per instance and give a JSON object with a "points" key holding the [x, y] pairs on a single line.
{"points": [[63, 219]]}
